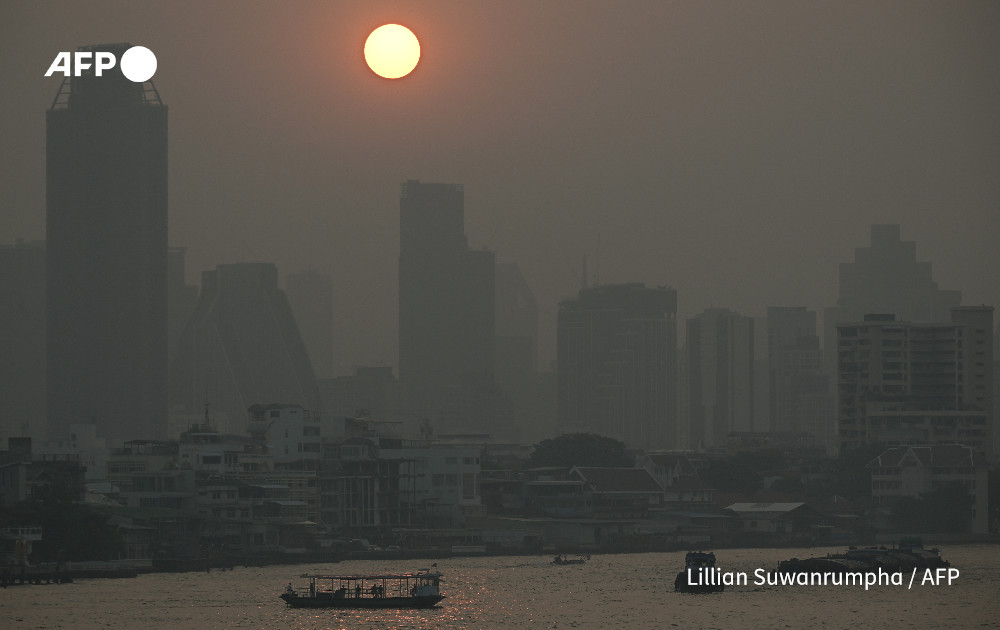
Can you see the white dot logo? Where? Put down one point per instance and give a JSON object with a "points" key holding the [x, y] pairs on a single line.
{"points": [[138, 64]]}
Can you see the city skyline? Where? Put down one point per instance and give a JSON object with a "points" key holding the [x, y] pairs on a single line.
{"points": [[737, 154], [623, 279]]}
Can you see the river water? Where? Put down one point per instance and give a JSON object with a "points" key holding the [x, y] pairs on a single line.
{"points": [[632, 591]]}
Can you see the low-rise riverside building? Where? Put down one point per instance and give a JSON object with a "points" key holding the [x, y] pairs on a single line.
{"points": [[910, 471]]}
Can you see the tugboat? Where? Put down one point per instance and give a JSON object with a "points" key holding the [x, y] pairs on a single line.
{"points": [[699, 574]]}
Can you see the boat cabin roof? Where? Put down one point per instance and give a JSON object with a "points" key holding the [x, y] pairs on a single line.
{"points": [[381, 576]]}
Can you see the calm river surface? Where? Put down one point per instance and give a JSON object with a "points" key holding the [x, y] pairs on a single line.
{"points": [[632, 591]]}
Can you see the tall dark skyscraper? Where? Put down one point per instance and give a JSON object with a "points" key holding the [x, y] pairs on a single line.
{"points": [[106, 267], [446, 307], [22, 340]]}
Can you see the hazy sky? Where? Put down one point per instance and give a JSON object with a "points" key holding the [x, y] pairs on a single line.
{"points": [[736, 151]]}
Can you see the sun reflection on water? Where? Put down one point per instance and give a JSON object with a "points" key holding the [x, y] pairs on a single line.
{"points": [[525, 592]]}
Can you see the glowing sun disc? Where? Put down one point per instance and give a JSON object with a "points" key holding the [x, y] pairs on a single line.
{"points": [[392, 51]]}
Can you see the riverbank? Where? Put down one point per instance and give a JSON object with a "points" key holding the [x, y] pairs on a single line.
{"points": [[50, 573]]}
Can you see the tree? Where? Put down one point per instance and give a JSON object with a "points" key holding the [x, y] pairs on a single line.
{"points": [[853, 478], [730, 475], [743, 472], [579, 449], [70, 530], [942, 511]]}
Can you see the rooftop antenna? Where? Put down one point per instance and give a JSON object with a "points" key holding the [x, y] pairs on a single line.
{"points": [[208, 421]]}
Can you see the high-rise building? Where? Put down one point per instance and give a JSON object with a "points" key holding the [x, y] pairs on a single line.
{"points": [[311, 295], [22, 340], [885, 277], [617, 364], [106, 268], [446, 309], [241, 347], [902, 382], [799, 392], [720, 359]]}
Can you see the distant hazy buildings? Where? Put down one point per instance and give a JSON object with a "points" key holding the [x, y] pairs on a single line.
{"points": [[372, 391], [902, 382], [720, 360], [617, 364], [241, 347], [885, 277], [106, 231], [517, 355], [182, 298], [799, 391], [516, 326], [22, 340], [311, 295], [446, 312]]}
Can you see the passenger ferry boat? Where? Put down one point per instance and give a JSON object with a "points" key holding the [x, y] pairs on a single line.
{"points": [[396, 590]]}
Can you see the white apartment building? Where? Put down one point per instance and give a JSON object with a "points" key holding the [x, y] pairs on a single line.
{"points": [[917, 383], [909, 471]]}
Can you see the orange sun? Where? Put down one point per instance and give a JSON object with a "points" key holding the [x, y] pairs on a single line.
{"points": [[392, 51]]}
